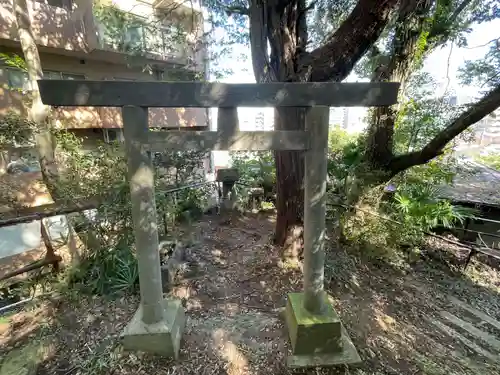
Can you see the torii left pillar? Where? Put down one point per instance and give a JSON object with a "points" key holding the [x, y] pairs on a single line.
{"points": [[158, 323]]}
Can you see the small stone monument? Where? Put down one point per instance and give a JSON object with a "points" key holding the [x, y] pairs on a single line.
{"points": [[228, 177]]}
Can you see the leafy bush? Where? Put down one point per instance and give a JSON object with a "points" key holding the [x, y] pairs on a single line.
{"points": [[16, 130], [492, 160], [418, 201], [420, 206], [344, 153], [257, 168], [397, 214], [176, 169], [110, 266], [100, 172]]}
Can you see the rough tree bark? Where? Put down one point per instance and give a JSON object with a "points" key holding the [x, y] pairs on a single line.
{"points": [[282, 25], [45, 143], [39, 112], [409, 30], [395, 67]]}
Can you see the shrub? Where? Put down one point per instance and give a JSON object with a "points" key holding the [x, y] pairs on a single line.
{"points": [[491, 159], [111, 265], [344, 154], [257, 168], [387, 219], [16, 130]]}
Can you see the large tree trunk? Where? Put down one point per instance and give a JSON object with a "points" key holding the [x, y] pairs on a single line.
{"points": [[396, 67], [39, 112], [290, 189], [285, 29], [45, 143]]}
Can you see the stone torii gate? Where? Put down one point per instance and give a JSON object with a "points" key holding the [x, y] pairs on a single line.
{"points": [[316, 333]]}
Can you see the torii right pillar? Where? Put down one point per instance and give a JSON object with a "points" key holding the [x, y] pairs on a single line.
{"points": [[317, 335]]}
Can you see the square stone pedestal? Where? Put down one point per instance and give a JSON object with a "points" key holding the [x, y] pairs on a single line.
{"points": [[161, 338], [317, 340]]}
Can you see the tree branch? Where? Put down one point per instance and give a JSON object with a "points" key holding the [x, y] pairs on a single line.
{"points": [[459, 10], [435, 147], [233, 9], [396, 67], [438, 32], [258, 40], [337, 57]]}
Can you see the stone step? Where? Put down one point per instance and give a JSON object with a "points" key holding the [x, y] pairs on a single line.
{"points": [[465, 341], [479, 314], [472, 330]]}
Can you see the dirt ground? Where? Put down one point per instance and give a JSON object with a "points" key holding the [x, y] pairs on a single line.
{"points": [[424, 317]]}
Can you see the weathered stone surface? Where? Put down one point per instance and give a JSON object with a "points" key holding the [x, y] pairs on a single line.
{"points": [[172, 257], [317, 339], [347, 356], [315, 208], [214, 94], [312, 333], [161, 338], [141, 175]]}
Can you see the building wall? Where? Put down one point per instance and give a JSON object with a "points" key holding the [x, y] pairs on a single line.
{"points": [[71, 43], [91, 117], [70, 40], [70, 27]]}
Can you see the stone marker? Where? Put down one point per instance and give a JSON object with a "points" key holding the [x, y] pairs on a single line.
{"points": [[228, 177]]}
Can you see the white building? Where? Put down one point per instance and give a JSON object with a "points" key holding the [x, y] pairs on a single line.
{"points": [[486, 131], [339, 117]]}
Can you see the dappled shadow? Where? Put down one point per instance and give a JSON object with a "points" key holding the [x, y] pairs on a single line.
{"points": [[396, 315], [64, 331], [54, 27], [22, 190]]}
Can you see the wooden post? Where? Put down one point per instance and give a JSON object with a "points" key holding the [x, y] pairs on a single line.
{"points": [[315, 209], [141, 177]]}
